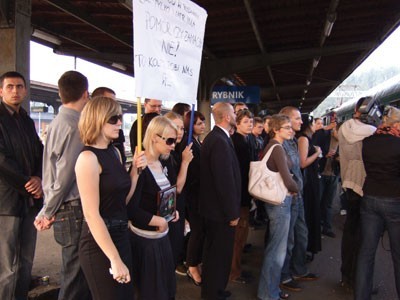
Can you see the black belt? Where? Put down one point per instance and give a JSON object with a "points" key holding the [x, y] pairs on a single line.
{"points": [[116, 224]]}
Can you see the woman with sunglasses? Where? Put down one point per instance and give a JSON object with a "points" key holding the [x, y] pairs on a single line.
{"points": [[104, 187], [153, 262]]}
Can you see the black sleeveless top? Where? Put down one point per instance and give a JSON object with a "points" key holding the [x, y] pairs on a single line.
{"points": [[115, 183]]}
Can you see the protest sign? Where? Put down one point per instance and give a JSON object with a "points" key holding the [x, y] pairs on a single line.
{"points": [[168, 44]]}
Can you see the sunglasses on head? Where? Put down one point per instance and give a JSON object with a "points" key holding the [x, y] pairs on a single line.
{"points": [[114, 119], [168, 141]]}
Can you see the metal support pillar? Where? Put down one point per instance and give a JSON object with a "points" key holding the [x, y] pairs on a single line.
{"points": [[15, 34]]}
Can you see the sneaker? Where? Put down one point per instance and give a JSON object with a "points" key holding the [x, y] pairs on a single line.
{"points": [[307, 277], [343, 212], [181, 269], [291, 286]]}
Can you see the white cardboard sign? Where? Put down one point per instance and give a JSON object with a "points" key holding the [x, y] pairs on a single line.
{"points": [[168, 43]]}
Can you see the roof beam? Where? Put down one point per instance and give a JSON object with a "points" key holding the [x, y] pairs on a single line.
{"points": [[127, 4], [270, 92], [259, 40], [87, 19], [223, 67], [126, 59]]}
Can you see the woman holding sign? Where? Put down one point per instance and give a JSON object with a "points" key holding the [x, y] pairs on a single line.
{"points": [[149, 211]]}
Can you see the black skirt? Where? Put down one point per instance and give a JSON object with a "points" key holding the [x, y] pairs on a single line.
{"points": [[153, 268]]}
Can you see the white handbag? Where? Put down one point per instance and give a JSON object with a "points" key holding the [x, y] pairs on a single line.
{"points": [[264, 184]]}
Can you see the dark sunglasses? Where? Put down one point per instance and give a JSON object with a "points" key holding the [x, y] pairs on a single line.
{"points": [[114, 119], [168, 141]]}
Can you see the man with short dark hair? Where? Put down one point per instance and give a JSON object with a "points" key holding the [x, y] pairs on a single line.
{"points": [[20, 188], [103, 91], [238, 106], [151, 106], [62, 207]]}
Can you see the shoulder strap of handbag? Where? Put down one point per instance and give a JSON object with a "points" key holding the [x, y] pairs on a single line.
{"points": [[268, 154]]}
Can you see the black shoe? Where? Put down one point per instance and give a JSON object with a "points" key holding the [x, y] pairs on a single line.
{"points": [[307, 277], [291, 286], [190, 277], [181, 269]]}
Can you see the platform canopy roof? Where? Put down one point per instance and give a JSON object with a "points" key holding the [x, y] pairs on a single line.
{"points": [[297, 51]]}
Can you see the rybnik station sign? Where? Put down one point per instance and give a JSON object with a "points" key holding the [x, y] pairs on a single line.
{"points": [[232, 94]]}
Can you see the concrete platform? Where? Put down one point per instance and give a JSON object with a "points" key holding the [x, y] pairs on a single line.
{"points": [[326, 264]]}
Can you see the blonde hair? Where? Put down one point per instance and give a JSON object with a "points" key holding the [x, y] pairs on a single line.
{"points": [[173, 116], [219, 111], [158, 126], [391, 115], [95, 114]]}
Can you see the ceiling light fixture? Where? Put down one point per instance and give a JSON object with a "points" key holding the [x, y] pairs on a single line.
{"points": [[330, 20], [46, 37], [316, 61], [118, 66]]}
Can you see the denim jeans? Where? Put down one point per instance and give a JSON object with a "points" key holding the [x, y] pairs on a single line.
{"points": [[275, 252], [328, 193], [295, 260], [377, 213], [17, 250], [351, 237], [67, 232]]}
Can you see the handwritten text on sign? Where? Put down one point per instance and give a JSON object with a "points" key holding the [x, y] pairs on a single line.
{"points": [[168, 43]]}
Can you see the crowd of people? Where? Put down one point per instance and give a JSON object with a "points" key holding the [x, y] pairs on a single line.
{"points": [[124, 233]]}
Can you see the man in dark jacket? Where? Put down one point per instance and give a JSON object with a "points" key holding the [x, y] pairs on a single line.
{"points": [[219, 202], [20, 188]]}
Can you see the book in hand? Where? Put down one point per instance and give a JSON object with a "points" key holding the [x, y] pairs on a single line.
{"points": [[166, 201]]}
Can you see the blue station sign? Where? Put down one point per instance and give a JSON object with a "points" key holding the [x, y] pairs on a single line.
{"points": [[232, 94]]}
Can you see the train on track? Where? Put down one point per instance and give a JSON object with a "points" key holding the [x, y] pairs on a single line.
{"points": [[387, 93]]}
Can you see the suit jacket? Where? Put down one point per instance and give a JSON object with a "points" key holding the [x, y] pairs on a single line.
{"points": [[220, 182]]}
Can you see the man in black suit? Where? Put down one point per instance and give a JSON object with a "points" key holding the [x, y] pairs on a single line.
{"points": [[220, 190]]}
